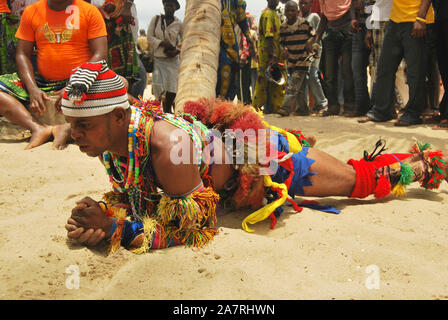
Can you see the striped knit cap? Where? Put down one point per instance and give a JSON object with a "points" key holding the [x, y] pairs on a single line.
{"points": [[93, 90]]}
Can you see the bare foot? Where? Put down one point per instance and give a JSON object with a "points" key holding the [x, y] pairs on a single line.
{"points": [[39, 136], [61, 133]]}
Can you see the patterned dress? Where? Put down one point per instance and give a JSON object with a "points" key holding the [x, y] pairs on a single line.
{"points": [[268, 92], [233, 13]]}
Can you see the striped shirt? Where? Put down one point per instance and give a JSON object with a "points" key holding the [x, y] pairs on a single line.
{"points": [[294, 38]]}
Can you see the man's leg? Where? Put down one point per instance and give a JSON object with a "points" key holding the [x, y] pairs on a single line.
{"points": [[360, 60], [347, 75], [442, 52], [331, 57], [333, 178], [390, 57], [432, 69], [61, 134], [293, 86], [362, 178], [414, 54], [302, 108], [16, 112], [316, 88]]}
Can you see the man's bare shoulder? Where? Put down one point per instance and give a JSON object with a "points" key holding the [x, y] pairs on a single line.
{"points": [[172, 154], [165, 136]]}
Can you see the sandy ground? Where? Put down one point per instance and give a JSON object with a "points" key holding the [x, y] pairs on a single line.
{"points": [[373, 249]]}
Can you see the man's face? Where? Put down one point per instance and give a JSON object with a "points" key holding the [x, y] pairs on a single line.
{"points": [[291, 13], [170, 8], [91, 134], [56, 2], [305, 6]]}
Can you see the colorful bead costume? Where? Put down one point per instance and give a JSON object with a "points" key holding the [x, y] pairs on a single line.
{"points": [[159, 219], [162, 220]]}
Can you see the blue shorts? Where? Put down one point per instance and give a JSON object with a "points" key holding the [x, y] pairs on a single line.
{"points": [[301, 166]]}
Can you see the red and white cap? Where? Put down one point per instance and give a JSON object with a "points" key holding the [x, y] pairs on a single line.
{"points": [[93, 89]]}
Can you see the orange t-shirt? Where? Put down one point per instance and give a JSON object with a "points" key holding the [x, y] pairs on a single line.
{"points": [[61, 37], [4, 6]]}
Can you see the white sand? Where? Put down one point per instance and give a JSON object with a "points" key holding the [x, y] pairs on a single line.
{"points": [[309, 255]]}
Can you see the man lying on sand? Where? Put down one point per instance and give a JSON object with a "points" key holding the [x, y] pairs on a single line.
{"points": [[172, 173]]}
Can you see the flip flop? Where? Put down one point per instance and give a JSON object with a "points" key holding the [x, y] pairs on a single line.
{"points": [[366, 119]]}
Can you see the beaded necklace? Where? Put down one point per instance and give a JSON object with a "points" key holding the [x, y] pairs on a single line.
{"points": [[126, 175]]}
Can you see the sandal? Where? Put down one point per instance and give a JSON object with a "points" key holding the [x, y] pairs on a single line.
{"points": [[366, 119], [443, 125]]}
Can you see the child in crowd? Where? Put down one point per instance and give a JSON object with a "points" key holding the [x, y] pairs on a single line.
{"points": [[296, 36]]}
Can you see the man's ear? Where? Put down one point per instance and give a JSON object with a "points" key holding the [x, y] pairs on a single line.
{"points": [[119, 116]]}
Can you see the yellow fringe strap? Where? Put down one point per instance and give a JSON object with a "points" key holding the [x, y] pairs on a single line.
{"points": [[199, 238], [293, 142], [193, 212], [120, 216], [399, 191], [149, 228], [266, 211]]}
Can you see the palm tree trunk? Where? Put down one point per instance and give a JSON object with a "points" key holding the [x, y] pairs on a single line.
{"points": [[199, 55]]}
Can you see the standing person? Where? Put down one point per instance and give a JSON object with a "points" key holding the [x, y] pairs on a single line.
{"points": [[338, 19], [159, 201], [233, 15], [268, 94], [441, 30], [404, 38], [164, 36], [296, 37], [8, 41], [142, 41], [60, 42], [313, 78], [360, 59]]}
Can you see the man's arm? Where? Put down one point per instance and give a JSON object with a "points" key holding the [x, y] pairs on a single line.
{"points": [[26, 73], [98, 48], [151, 33], [355, 10], [321, 28], [419, 29]]}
